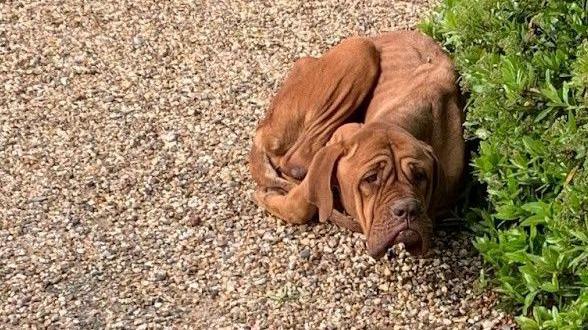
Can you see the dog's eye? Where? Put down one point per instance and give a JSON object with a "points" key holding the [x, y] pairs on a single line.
{"points": [[371, 178], [419, 175]]}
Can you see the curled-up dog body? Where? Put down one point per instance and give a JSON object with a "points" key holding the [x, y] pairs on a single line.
{"points": [[398, 168], [318, 95]]}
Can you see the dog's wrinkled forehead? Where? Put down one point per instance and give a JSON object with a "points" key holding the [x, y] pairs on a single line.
{"points": [[371, 141]]}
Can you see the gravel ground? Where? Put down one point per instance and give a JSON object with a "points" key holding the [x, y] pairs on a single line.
{"points": [[124, 189]]}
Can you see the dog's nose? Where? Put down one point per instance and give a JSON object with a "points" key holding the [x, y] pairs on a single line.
{"points": [[407, 208], [298, 172]]}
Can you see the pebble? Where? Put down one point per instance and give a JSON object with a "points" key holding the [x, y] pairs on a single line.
{"points": [[305, 253], [194, 220], [160, 275]]}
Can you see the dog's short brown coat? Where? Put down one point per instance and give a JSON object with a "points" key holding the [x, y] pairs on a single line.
{"points": [[395, 170]]}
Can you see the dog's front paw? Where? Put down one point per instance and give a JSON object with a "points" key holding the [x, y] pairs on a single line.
{"points": [[261, 196]]}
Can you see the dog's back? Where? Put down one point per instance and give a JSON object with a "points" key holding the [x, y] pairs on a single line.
{"points": [[413, 68]]}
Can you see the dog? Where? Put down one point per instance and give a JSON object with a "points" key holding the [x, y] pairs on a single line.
{"points": [[396, 170]]}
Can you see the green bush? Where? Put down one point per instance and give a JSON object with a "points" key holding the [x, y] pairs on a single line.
{"points": [[524, 66]]}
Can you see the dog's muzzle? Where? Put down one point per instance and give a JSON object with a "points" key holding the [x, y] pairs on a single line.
{"points": [[399, 227]]}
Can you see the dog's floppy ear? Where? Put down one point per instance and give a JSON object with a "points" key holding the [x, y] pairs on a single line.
{"points": [[438, 187], [318, 179], [344, 132]]}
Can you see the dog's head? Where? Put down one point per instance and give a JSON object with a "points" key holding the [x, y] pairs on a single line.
{"points": [[388, 182]]}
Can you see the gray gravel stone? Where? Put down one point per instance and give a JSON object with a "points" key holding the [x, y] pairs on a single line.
{"points": [[305, 253]]}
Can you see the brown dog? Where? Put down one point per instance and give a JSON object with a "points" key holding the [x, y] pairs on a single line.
{"points": [[399, 168]]}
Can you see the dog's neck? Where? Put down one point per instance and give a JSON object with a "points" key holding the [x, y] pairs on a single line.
{"points": [[409, 124], [415, 118]]}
